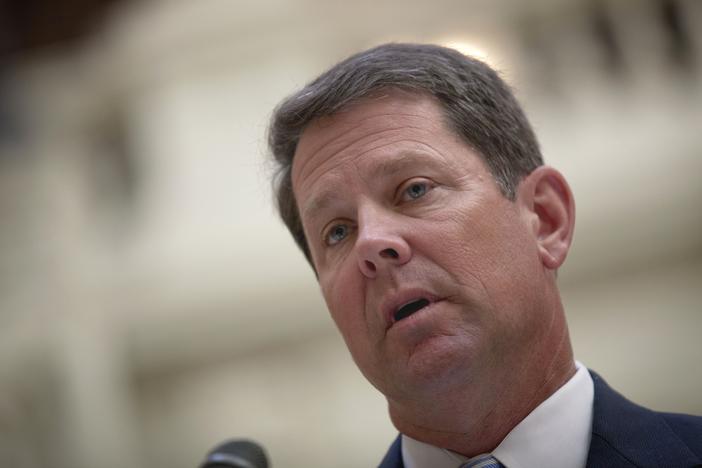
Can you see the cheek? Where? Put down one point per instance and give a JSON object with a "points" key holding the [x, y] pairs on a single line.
{"points": [[493, 255], [498, 237], [345, 300]]}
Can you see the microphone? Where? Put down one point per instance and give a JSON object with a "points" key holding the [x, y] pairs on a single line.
{"points": [[236, 454]]}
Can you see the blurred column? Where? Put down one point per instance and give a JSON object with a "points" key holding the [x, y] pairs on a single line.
{"points": [[74, 320], [92, 376]]}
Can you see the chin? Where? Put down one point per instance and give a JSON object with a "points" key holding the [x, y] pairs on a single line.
{"points": [[435, 365]]}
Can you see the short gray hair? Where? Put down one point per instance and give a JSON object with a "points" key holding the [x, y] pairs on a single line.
{"points": [[478, 105]]}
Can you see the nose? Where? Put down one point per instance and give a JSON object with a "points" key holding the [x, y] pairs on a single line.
{"points": [[380, 246]]}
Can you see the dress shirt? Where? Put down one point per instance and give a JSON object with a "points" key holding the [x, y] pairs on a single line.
{"points": [[555, 434]]}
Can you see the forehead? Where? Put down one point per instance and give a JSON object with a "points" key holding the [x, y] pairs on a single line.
{"points": [[386, 125]]}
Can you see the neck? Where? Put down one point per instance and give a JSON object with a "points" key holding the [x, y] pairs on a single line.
{"points": [[471, 420]]}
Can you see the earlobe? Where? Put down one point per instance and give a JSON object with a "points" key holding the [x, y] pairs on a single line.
{"points": [[553, 209]]}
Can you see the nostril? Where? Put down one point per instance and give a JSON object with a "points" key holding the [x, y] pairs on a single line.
{"points": [[370, 265], [391, 253]]}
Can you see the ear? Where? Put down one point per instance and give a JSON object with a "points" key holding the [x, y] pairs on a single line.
{"points": [[549, 202]]}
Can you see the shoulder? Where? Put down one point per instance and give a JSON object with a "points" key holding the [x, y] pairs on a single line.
{"points": [[687, 427], [638, 436]]}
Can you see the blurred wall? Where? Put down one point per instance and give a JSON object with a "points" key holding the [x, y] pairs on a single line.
{"points": [[153, 305]]}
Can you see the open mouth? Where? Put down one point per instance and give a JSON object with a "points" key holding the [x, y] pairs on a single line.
{"points": [[410, 308]]}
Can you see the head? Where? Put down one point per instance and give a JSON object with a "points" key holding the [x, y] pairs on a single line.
{"points": [[413, 183], [476, 104]]}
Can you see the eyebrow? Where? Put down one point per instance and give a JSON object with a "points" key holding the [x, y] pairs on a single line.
{"points": [[394, 164], [317, 205]]}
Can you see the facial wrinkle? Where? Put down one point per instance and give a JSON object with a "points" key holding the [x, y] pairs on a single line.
{"points": [[339, 154], [322, 124]]}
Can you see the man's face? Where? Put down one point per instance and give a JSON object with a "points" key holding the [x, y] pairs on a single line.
{"points": [[432, 276]]}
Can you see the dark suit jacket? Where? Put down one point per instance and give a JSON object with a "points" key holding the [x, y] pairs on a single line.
{"points": [[625, 435]]}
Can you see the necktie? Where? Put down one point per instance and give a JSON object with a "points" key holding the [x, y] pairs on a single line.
{"points": [[485, 461]]}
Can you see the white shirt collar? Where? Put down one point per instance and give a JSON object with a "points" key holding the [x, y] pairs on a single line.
{"points": [[555, 434]]}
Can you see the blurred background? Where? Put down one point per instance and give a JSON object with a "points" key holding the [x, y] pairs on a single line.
{"points": [[151, 303]]}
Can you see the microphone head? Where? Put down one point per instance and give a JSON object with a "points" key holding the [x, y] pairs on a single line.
{"points": [[236, 454]]}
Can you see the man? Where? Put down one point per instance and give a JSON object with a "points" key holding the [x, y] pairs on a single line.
{"points": [[414, 185]]}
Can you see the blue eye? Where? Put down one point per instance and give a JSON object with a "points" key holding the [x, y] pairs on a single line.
{"points": [[416, 190], [336, 234]]}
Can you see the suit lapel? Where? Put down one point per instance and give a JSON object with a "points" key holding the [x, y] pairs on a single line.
{"points": [[393, 458], [627, 435]]}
